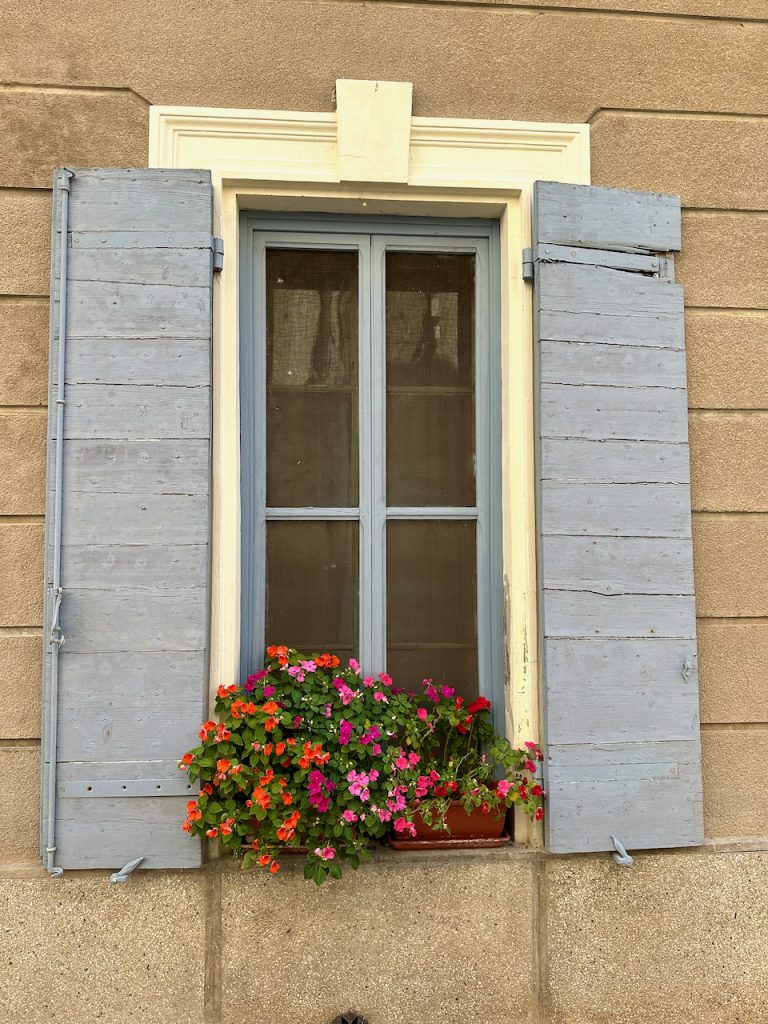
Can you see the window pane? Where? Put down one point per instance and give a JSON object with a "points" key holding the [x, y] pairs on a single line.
{"points": [[312, 586], [431, 603], [312, 339], [430, 379]]}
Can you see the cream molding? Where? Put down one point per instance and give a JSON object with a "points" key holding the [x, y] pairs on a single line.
{"points": [[371, 156]]}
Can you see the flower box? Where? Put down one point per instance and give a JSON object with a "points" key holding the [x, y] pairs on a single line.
{"points": [[473, 830]]}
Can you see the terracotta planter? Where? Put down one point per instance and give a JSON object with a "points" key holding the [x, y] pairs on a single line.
{"points": [[467, 831]]}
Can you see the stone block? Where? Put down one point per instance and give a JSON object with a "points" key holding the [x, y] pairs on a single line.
{"points": [[407, 938], [21, 570], [20, 686], [727, 357], [729, 565], [724, 259], [19, 806], [80, 951], [735, 772], [715, 162], [22, 462], [678, 937], [728, 467]]}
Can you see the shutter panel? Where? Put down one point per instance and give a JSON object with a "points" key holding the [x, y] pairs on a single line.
{"points": [[615, 562], [124, 699]]}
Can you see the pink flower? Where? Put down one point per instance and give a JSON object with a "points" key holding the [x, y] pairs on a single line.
{"points": [[250, 682], [269, 690], [403, 825], [432, 694], [349, 816], [530, 766], [413, 759], [368, 681], [372, 734], [402, 762], [503, 787], [383, 814], [296, 721], [386, 679], [359, 784], [297, 673], [355, 666], [328, 710], [381, 696], [422, 714], [309, 666], [345, 732], [447, 691], [376, 749], [326, 852], [531, 746]]}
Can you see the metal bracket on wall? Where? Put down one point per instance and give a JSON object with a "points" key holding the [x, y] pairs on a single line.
{"points": [[621, 856]]}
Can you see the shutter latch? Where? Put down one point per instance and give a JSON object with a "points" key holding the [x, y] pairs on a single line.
{"points": [[527, 264], [125, 873], [621, 856], [217, 247]]}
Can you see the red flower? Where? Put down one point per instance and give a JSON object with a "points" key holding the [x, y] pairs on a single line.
{"points": [[539, 814], [274, 867], [212, 833], [187, 760], [536, 790], [264, 859], [481, 704], [187, 826], [530, 766], [223, 765]]}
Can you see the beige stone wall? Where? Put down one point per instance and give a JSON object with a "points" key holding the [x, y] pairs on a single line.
{"points": [[677, 96], [448, 938]]}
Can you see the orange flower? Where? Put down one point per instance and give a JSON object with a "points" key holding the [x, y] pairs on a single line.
{"points": [[274, 867], [327, 661], [212, 833], [262, 799], [207, 788], [267, 749], [287, 799], [270, 708], [280, 651], [266, 779], [270, 724], [225, 691], [279, 748], [226, 827], [187, 826], [195, 815], [223, 765], [222, 733], [255, 844], [264, 859], [291, 741], [186, 760], [236, 769], [313, 755]]}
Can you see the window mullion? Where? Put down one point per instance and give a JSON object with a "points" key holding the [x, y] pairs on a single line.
{"points": [[376, 469]]}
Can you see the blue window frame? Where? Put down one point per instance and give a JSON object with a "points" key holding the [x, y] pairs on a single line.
{"points": [[394, 286]]}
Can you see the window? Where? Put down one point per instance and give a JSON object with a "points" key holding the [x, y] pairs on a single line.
{"points": [[371, 446]]}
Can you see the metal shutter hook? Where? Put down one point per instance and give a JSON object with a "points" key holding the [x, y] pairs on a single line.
{"points": [[621, 856]]}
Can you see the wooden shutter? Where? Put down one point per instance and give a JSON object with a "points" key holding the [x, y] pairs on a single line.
{"points": [[615, 561], [125, 699]]}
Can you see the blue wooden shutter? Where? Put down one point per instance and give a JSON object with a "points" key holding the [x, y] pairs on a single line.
{"points": [[615, 562], [125, 691]]}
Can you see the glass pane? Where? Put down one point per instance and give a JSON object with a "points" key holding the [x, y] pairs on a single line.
{"points": [[312, 586], [430, 379], [432, 603], [312, 339]]}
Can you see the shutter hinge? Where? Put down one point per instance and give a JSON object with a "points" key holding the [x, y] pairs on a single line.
{"points": [[217, 247], [527, 264]]}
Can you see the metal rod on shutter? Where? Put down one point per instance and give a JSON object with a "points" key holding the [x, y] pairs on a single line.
{"points": [[55, 640]]}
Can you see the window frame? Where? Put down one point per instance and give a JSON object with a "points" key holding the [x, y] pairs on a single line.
{"points": [[372, 238]]}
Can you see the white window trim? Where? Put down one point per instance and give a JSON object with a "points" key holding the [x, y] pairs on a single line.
{"points": [[290, 160]]}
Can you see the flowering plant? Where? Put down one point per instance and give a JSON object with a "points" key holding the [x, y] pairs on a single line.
{"points": [[315, 757]]}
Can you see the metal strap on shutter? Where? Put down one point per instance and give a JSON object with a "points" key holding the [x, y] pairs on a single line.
{"points": [[615, 559], [128, 519]]}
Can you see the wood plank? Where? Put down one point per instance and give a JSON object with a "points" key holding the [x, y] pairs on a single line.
{"points": [[103, 833], [144, 200], [622, 462], [573, 614], [617, 565], [138, 467], [115, 621], [123, 411], [145, 265], [614, 413], [641, 264], [608, 307], [583, 815], [606, 218], [568, 362], [159, 361], [132, 567], [103, 309], [588, 698], [109, 518], [144, 239], [619, 510], [124, 709]]}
